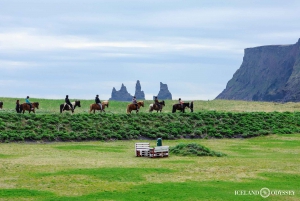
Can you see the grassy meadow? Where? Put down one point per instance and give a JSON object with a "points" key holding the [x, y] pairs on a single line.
{"points": [[108, 169], [117, 107]]}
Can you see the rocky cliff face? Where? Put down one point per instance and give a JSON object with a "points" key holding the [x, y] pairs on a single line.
{"points": [[164, 93], [139, 94], [121, 95], [268, 73]]}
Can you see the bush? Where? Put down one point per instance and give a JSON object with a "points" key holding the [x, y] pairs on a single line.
{"points": [[193, 149]]}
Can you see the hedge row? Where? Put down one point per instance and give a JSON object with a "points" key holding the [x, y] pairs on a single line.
{"points": [[66, 127]]}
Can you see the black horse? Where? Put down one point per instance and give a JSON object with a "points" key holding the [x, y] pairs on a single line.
{"points": [[65, 106], [178, 107], [1, 104]]}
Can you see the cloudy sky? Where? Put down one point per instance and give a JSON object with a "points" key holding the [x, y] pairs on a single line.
{"points": [[50, 48]]}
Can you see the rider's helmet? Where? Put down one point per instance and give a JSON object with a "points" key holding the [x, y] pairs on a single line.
{"points": [[27, 96], [134, 97], [179, 98], [67, 96], [97, 95]]}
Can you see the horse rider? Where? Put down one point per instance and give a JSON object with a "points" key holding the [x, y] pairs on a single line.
{"points": [[135, 103], [180, 102], [28, 102], [156, 102], [67, 101], [97, 100]]}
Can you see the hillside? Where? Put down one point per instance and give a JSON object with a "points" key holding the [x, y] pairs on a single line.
{"points": [[56, 127], [268, 73]]}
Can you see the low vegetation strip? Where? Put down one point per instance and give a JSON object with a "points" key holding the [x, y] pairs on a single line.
{"points": [[210, 124]]}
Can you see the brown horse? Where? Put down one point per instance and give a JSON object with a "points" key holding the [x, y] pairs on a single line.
{"points": [[132, 106], [64, 106], [1, 104], [25, 106], [95, 106], [155, 107]]}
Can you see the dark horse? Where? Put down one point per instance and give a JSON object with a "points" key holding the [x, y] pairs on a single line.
{"points": [[1, 104], [25, 106], [178, 107], [95, 106], [132, 106], [155, 107], [65, 106]]}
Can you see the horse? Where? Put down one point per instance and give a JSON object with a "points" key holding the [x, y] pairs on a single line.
{"points": [[65, 106], [132, 106], [1, 104], [95, 106], [178, 107], [155, 107], [25, 106]]}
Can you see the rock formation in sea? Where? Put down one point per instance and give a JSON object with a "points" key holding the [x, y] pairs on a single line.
{"points": [[139, 94], [121, 95], [164, 93]]}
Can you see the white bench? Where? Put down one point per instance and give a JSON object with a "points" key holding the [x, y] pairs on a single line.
{"points": [[142, 149], [161, 151]]}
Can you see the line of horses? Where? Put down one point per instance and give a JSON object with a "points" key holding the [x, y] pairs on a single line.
{"points": [[21, 108]]}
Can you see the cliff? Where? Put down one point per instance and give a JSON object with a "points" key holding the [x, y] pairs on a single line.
{"points": [[267, 73]]}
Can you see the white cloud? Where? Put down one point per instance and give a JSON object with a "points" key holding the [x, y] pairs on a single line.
{"points": [[14, 65], [21, 41]]}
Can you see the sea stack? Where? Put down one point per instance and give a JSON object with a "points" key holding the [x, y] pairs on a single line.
{"points": [[121, 95], [139, 94], [164, 93]]}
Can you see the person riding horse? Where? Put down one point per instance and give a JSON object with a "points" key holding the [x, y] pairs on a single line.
{"points": [[135, 103], [67, 101], [97, 101], [156, 102], [180, 102], [28, 102]]}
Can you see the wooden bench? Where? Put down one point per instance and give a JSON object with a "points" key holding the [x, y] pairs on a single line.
{"points": [[142, 149], [161, 151]]}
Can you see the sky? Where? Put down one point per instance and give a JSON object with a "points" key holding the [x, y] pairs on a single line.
{"points": [[51, 48]]}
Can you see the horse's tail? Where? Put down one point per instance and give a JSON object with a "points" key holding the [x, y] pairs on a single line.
{"points": [[150, 107], [61, 108], [91, 106], [174, 109], [128, 111]]}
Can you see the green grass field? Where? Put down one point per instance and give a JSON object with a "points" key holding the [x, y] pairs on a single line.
{"points": [[110, 171], [52, 106]]}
